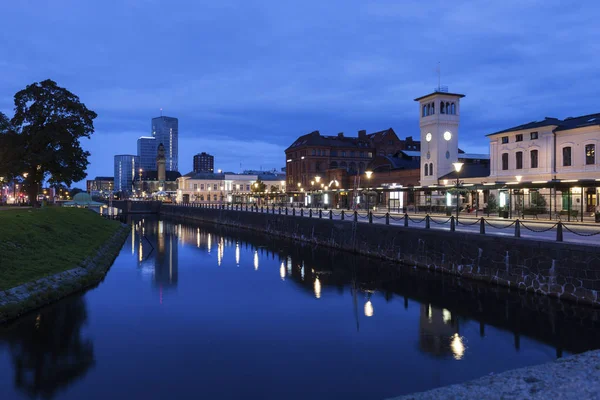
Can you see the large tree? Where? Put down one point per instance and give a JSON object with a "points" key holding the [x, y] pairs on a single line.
{"points": [[49, 123]]}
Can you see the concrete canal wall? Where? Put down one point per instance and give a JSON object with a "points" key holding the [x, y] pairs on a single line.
{"points": [[567, 271]]}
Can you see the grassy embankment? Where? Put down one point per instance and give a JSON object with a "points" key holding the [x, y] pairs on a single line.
{"points": [[41, 242]]}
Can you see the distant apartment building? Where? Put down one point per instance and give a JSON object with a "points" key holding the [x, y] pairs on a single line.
{"points": [[204, 162], [146, 151], [100, 185], [166, 131], [126, 168]]}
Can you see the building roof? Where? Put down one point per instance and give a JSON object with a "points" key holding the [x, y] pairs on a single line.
{"points": [[462, 155], [548, 121], [147, 137], [104, 178], [470, 171], [438, 93], [579, 122], [380, 134], [204, 175], [316, 139]]}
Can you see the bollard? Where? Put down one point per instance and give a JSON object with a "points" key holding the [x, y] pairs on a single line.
{"points": [[302, 212], [342, 215], [355, 216], [370, 217], [482, 226], [387, 218], [517, 229], [427, 221], [273, 208], [246, 206], [330, 214], [406, 220], [559, 232], [262, 209], [452, 226], [286, 211], [294, 211], [310, 213], [320, 213], [280, 210]]}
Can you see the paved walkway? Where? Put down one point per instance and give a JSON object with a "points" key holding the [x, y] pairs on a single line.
{"points": [[573, 232], [576, 377]]}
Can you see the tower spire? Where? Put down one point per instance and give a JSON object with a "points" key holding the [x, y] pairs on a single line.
{"points": [[439, 74]]}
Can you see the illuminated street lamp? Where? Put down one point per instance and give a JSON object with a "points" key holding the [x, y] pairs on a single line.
{"points": [[457, 167], [368, 173]]}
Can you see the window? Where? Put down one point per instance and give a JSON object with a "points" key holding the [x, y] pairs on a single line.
{"points": [[215, 186], [442, 108], [504, 161], [351, 154], [333, 165], [424, 111], [519, 137], [504, 139], [428, 109], [214, 197], [431, 169], [343, 154], [533, 135], [453, 109], [534, 158], [432, 108], [333, 153], [314, 152], [370, 155], [202, 186], [590, 154], [519, 159], [426, 169], [195, 186], [247, 188], [566, 156], [362, 154]]}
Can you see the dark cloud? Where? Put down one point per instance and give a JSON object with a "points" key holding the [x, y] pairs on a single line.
{"points": [[245, 78]]}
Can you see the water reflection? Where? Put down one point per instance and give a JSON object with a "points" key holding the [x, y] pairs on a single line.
{"points": [[48, 349]]}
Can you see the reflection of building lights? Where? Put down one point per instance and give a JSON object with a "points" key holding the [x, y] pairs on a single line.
{"points": [[132, 239], [289, 265], [198, 238], [237, 254], [282, 271], [429, 312], [458, 348], [368, 308], [302, 270], [220, 251], [209, 242], [255, 260], [317, 288], [160, 227], [140, 251], [447, 316]]}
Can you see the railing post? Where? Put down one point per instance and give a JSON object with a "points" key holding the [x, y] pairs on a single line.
{"points": [[280, 210], [246, 206], [342, 215], [452, 224], [310, 213], [482, 226], [517, 228], [294, 211], [286, 211], [330, 214], [427, 221], [387, 218], [273, 208], [406, 220], [355, 216], [320, 213], [302, 212], [262, 209], [559, 232], [370, 217]]}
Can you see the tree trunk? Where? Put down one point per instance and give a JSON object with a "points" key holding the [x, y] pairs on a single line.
{"points": [[32, 192]]}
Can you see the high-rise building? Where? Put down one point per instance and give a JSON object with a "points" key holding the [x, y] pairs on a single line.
{"points": [[146, 151], [204, 162], [166, 131], [126, 168]]}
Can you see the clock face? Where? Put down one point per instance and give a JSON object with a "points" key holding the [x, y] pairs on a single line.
{"points": [[428, 137], [447, 135]]}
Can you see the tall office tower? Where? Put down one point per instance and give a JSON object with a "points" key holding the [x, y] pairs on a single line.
{"points": [[166, 131], [146, 151], [126, 168], [204, 162]]}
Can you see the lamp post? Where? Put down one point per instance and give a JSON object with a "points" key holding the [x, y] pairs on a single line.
{"points": [[368, 173], [457, 167], [141, 189], [311, 195]]}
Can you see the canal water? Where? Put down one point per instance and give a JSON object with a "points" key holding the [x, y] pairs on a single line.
{"points": [[196, 311]]}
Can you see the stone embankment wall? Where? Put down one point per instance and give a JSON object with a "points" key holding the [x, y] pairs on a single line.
{"points": [[563, 270], [30, 296]]}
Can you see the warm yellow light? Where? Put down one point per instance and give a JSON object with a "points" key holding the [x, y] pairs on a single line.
{"points": [[317, 178], [457, 166], [256, 260], [299, 184], [317, 288], [312, 183], [518, 177], [446, 315], [457, 346], [282, 271], [368, 308], [369, 173]]}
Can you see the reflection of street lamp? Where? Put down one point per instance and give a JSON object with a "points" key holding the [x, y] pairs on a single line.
{"points": [[457, 167], [368, 308]]}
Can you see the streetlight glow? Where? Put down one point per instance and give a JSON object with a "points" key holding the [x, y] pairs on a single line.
{"points": [[368, 173], [457, 166]]}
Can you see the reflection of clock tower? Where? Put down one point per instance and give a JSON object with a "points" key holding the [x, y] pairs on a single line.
{"points": [[440, 114]]}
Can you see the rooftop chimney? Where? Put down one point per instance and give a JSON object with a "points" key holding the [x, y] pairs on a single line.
{"points": [[362, 134], [341, 134]]}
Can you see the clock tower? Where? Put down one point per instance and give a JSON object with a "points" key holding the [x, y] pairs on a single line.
{"points": [[439, 117]]}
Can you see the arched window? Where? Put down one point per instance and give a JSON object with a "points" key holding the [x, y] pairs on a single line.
{"points": [[343, 165], [453, 108], [333, 165], [424, 110], [442, 108], [431, 169], [352, 167], [361, 167], [432, 108], [448, 108], [428, 109], [504, 161], [426, 169]]}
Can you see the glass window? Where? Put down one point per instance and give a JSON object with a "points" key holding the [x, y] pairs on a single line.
{"points": [[424, 111], [333, 153], [313, 152], [247, 188], [351, 154], [534, 158], [343, 154], [214, 197], [533, 135], [504, 161], [370, 155], [202, 186], [590, 154], [430, 168], [504, 139], [519, 159], [362, 154], [426, 169], [215, 186], [566, 156], [519, 138]]}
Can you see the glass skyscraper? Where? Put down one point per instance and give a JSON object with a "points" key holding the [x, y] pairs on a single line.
{"points": [[126, 168], [166, 131], [146, 151]]}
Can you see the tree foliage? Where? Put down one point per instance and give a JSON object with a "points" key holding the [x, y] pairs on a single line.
{"points": [[44, 136], [259, 186]]}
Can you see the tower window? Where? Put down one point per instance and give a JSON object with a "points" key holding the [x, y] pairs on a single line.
{"points": [[432, 108], [590, 154], [504, 161], [453, 109], [534, 158], [426, 169], [519, 159], [442, 108], [431, 169], [566, 153], [428, 109], [424, 110]]}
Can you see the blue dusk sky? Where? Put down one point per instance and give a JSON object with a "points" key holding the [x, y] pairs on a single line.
{"points": [[246, 77]]}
